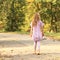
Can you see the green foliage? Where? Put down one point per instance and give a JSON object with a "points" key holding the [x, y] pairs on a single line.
{"points": [[49, 12], [17, 14]]}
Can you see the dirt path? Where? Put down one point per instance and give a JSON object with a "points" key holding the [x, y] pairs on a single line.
{"points": [[20, 47]]}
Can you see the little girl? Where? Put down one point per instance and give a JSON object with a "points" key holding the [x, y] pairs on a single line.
{"points": [[36, 32]]}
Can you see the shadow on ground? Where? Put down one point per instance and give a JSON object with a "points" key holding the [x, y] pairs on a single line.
{"points": [[15, 43], [43, 56]]}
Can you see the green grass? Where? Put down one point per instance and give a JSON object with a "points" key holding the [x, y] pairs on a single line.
{"points": [[55, 36], [18, 32], [22, 32], [52, 34]]}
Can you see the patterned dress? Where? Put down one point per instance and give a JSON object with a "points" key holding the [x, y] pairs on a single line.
{"points": [[37, 34]]}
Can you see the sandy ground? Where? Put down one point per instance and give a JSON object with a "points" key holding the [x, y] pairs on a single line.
{"points": [[20, 47]]}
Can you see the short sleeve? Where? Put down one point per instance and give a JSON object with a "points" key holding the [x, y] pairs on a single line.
{"points": [[41, 23]]}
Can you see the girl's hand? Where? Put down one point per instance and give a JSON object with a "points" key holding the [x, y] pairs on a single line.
{"points": [[42, 34], [31, 35]]}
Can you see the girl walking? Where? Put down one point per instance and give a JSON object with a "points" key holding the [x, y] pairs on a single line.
{"points": [[36, 32]]}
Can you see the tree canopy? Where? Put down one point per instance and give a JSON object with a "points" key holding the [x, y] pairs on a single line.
{"points": [[16, 15]]}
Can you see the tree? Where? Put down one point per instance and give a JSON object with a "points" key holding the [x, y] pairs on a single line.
{"points": [[16, 15], [49, 11]]}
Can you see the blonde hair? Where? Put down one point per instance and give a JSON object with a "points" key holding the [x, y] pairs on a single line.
{"points": [[36, 19]]}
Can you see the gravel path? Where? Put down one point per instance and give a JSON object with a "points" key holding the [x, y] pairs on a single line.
{"points": [[20, 47]]}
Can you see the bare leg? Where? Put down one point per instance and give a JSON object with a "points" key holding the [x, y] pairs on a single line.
{"points": [[35, 46], [38, 47]]}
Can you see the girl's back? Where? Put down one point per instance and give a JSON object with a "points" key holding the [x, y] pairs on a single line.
{"points": [[37, 30]]}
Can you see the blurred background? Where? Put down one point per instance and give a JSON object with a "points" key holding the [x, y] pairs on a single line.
{"points": [[16, 15]]}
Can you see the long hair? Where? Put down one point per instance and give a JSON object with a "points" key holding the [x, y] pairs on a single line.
{"points": [[35, 20]]}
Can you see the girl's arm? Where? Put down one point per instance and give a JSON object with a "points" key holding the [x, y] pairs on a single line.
{"points": [[31, 31], [42, 30], [42, 27]]}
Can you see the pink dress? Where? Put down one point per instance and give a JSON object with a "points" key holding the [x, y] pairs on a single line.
{"points": [[37, 34]]}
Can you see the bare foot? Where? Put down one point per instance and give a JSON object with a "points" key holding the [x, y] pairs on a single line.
{"points": [[38, 53]]}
